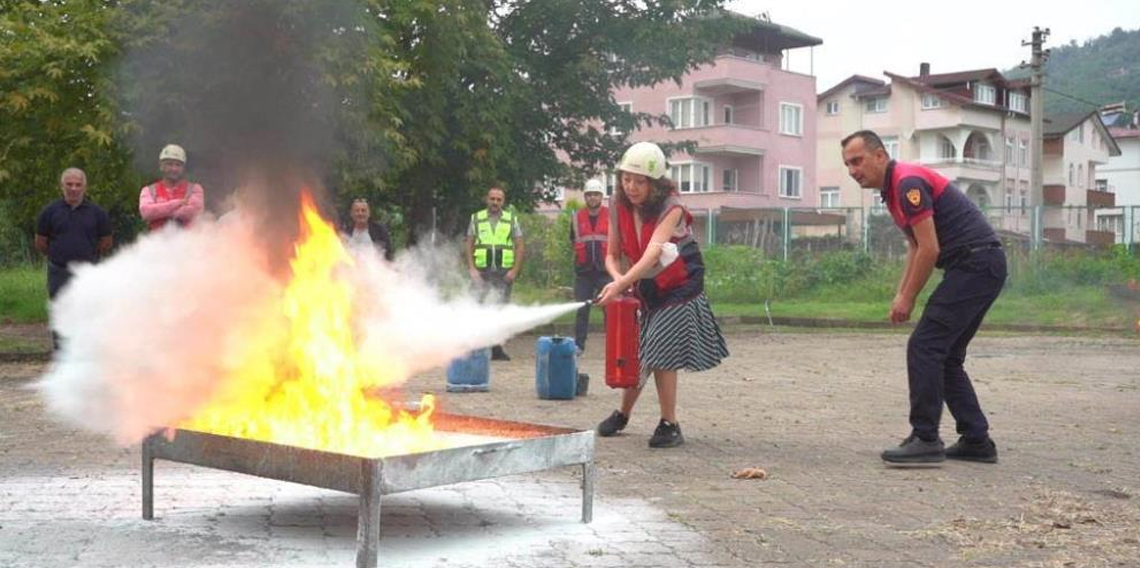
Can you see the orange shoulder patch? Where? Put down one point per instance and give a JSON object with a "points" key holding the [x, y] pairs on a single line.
{"points": [[914, 196]]}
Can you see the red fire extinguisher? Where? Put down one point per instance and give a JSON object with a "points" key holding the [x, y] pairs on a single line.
{"points": [[623, 365]]}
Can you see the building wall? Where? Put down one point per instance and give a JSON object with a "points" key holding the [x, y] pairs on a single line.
{"points": [[757, 121], [1123, 172]]}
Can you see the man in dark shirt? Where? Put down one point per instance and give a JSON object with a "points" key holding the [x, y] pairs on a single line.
{"points": [[71, 229], [944, 229]]}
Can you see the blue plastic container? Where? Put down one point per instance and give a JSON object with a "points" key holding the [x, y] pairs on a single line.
{"points": [[555, 368], [471, 373]]}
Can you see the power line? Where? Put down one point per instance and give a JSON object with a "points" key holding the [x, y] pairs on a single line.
{"points": [[1078, 99]]}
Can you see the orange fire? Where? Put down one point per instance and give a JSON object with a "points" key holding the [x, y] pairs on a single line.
{"points": [[305, 383]]}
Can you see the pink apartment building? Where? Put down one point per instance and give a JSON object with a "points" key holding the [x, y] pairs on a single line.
{"points": [[753, 123]]}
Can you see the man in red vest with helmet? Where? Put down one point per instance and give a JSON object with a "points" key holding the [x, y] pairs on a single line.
{"points": [[589, 232], [172, 198]]}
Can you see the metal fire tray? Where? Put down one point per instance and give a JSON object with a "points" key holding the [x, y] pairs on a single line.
{"points": [[523, 448]]}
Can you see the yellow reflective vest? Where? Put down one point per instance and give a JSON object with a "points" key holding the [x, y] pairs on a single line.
{"points": [[494, 248]]}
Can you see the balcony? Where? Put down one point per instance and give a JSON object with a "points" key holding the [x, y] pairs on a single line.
{"points": [[724, 139], [967, 168], [1104, 239], [729, 75], [1098, 198], [1054, 194]]}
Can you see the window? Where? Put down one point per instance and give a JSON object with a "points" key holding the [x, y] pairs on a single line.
{"points": [[1019, 102], [790, 178], [829, 197], [1071, 175], [1080, 175], [1023, 152], [729, 114], [891, 145], [985, 94], [692, 177], [1101, 184], [611, 182], [946, 150], [728, 180], [876, 105], [791, 119], [1081, 133], [832, 108], [1009, 155], [1008, 195], [930, 101], [691, 112], [626, 108], [1023, 198]]}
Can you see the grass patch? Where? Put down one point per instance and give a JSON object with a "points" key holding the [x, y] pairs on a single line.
{"points": [[23, 294]]}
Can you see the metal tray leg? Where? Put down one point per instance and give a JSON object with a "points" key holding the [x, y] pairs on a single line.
{"points": [[368, 522]]}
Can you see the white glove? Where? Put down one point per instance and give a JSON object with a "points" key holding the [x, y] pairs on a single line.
{"points": [[668, 254]]}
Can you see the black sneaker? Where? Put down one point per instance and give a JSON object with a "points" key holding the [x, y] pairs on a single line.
{"points": [[916, 450], [667, 435], [963, 449], [497, 354], [612, 425]]}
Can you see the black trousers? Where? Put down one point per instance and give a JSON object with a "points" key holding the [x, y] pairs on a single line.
{"points": [[57, 277], [587, 285], [495, 285], [936, 352]]}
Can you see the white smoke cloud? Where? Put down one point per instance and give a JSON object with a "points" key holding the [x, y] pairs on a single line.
{"points": [[151, 334]]}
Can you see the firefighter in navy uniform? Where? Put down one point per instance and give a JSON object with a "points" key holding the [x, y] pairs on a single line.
{"points": [[589, 231], [494, 247], [944, 229]]}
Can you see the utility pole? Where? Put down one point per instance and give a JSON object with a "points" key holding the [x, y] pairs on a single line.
{"points": [[1036, 119]]}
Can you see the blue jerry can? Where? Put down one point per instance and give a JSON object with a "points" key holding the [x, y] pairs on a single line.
{"points": [[470, 373], [555, 368]]}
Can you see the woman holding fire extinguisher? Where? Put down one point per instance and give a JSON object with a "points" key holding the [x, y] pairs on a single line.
{"points": [[666, 272]]}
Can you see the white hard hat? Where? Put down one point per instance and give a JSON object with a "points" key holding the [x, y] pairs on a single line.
{"points": [[645, 158], [173, 152], [594, 186]]}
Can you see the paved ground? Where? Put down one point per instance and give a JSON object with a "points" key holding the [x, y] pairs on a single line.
{"points": [[813, 409]]}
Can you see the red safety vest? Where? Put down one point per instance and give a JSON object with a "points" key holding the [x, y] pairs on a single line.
{"points": [[681, 280], [584, 236], [159, 193]]}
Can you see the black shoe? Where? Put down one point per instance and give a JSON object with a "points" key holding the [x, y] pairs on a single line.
{"points": [[985, 452], [667, 435], [497, 354], [916, 450], [612, 425]]}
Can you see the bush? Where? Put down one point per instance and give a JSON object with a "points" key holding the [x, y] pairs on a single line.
{"points": [[15, 249], [549, 260]]}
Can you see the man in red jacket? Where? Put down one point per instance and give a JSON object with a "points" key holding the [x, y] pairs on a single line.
{"points": [[589, 231], [171, 198]]}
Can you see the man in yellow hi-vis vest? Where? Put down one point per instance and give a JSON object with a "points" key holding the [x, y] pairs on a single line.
{"points": [[494, 247]]}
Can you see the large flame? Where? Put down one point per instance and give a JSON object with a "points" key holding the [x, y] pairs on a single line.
{"points": [[306, 383]]}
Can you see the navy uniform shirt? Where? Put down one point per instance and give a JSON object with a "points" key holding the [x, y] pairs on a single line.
{"points": [[73, 234], [914, 193]]}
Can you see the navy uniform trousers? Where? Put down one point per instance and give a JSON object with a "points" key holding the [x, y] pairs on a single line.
{"points": [[936, 351]]}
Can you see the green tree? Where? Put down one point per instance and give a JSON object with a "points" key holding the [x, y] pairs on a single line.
{"points": [[55, 58]]}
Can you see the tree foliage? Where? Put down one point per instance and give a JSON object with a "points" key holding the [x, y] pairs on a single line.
{"points": [[1102, 70], [419, 105]]}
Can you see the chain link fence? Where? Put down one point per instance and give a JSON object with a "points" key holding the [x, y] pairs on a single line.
{"points": [[791, 232]]}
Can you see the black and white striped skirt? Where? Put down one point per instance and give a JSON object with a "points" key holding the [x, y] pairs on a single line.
{"points": [[681, 336]]}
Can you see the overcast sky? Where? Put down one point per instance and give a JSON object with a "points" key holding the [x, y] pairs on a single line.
{"points": [[868, 38]]}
